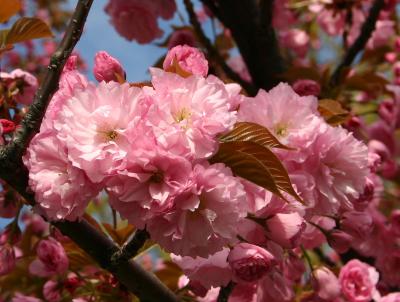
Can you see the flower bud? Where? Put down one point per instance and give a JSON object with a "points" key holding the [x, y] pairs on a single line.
{"points": [[286, 229], [250, 262], [51, 291], [305, 87], [340, 241], [361, 203], [7, 259], [107, 68], [326, 284], [7, 126], [185, 60]]}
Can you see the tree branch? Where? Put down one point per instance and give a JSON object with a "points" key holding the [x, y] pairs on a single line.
{"points": [[213, 52], [131, 248], [359, 44], [144, 284], [251, 27], [31, 123]]}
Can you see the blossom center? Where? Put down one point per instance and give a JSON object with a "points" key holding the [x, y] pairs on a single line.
{"points": [[157, 177], [111, 135], [281, 130], [182, 115]]}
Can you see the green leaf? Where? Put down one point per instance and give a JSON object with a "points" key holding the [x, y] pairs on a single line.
{"points": [[256, 164], [252, 132], [9, 8], [26, 29]]}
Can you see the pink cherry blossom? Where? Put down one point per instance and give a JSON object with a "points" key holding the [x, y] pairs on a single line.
{"points": [[191, 112], [293, 119], [62, 191], [51, 291], [144, 15], [96, 126], [358, 281], [286, 229], [250, 262], [149, 184], [205, 217], [107, 68], [51, 260], [296, 40], [189, 59], [305, 87], [208, 272], [274, 287], [29, 85], [326, 284], [339, 165], [340, 241]]}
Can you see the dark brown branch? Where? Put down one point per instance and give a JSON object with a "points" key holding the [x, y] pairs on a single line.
{"points": [[144, 284], [251, 27], [225, 292], [31, 123], [213, 52], [359, 44], [131, 248]]}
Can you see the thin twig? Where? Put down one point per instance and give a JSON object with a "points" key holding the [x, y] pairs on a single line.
{"points": [[359, 44], [225, 292], [213, 52]]}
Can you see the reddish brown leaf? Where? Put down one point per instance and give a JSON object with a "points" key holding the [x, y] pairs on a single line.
{"points": [[9, 8], [252, 132], [26, 29]]}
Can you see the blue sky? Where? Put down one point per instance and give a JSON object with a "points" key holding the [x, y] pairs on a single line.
{"points": [[100, 35]]}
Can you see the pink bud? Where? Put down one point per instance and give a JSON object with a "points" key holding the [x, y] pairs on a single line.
{"points": [[29, 86], [7, 126], [51, 291], [286, 229], [189, 59], [52, 259], [306, 87], [107, 68], [71, 64], [7, 259], [340, 241], [391, 57], [361, 203], [357, 224], [250, 262], [379, 148], [326, 284]]}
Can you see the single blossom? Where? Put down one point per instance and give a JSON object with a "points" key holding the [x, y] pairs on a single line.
{"points": [[250, 262], [107, 68], [51, 260], [96, 125], [326, 284], [51, 291], [191, 112], [205, 217], [62, 191], [144, 14], [358, 281], [183, 58]]}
